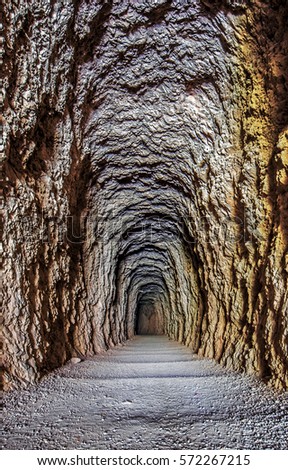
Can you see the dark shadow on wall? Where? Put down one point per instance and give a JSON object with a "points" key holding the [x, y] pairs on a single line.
{"points": [[149, 318]]}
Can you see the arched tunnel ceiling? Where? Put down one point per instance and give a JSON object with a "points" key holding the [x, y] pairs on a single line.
{"points": [[155, 120], [154, 126], [149, 137]]}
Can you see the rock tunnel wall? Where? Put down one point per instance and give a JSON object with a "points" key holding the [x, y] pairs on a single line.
{"points": [[146, 165]]}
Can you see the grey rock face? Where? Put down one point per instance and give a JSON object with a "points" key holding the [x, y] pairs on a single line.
{"points": [[146, 166]]}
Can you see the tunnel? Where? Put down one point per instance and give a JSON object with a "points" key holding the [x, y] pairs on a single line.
{"points": [[146, 182], [149, 315]]}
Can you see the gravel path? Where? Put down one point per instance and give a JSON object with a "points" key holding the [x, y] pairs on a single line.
{"points": [[151, 393]]}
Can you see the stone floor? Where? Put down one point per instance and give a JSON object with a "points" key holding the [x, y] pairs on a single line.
{"points": [[151, 393]]}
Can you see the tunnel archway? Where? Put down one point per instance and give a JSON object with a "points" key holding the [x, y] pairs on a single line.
{"points": [[149, 313], [159, 132]]}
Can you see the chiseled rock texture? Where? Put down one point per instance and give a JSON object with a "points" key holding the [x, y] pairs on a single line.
{"points": [[146, 180]]}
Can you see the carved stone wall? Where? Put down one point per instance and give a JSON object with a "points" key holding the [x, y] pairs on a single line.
{"points": [[146, 157]]}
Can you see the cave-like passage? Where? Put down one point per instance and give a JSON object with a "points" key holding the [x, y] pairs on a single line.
{"points": [[152, 393], [147, 114], [149, 316], [154, 277]]}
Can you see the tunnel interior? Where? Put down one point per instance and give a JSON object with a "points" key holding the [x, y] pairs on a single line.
{"points": [[158, 130], [149, 314]]}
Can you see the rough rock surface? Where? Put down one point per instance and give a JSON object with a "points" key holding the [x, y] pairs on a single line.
{"points": [[151, 394], [146, 147]]}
